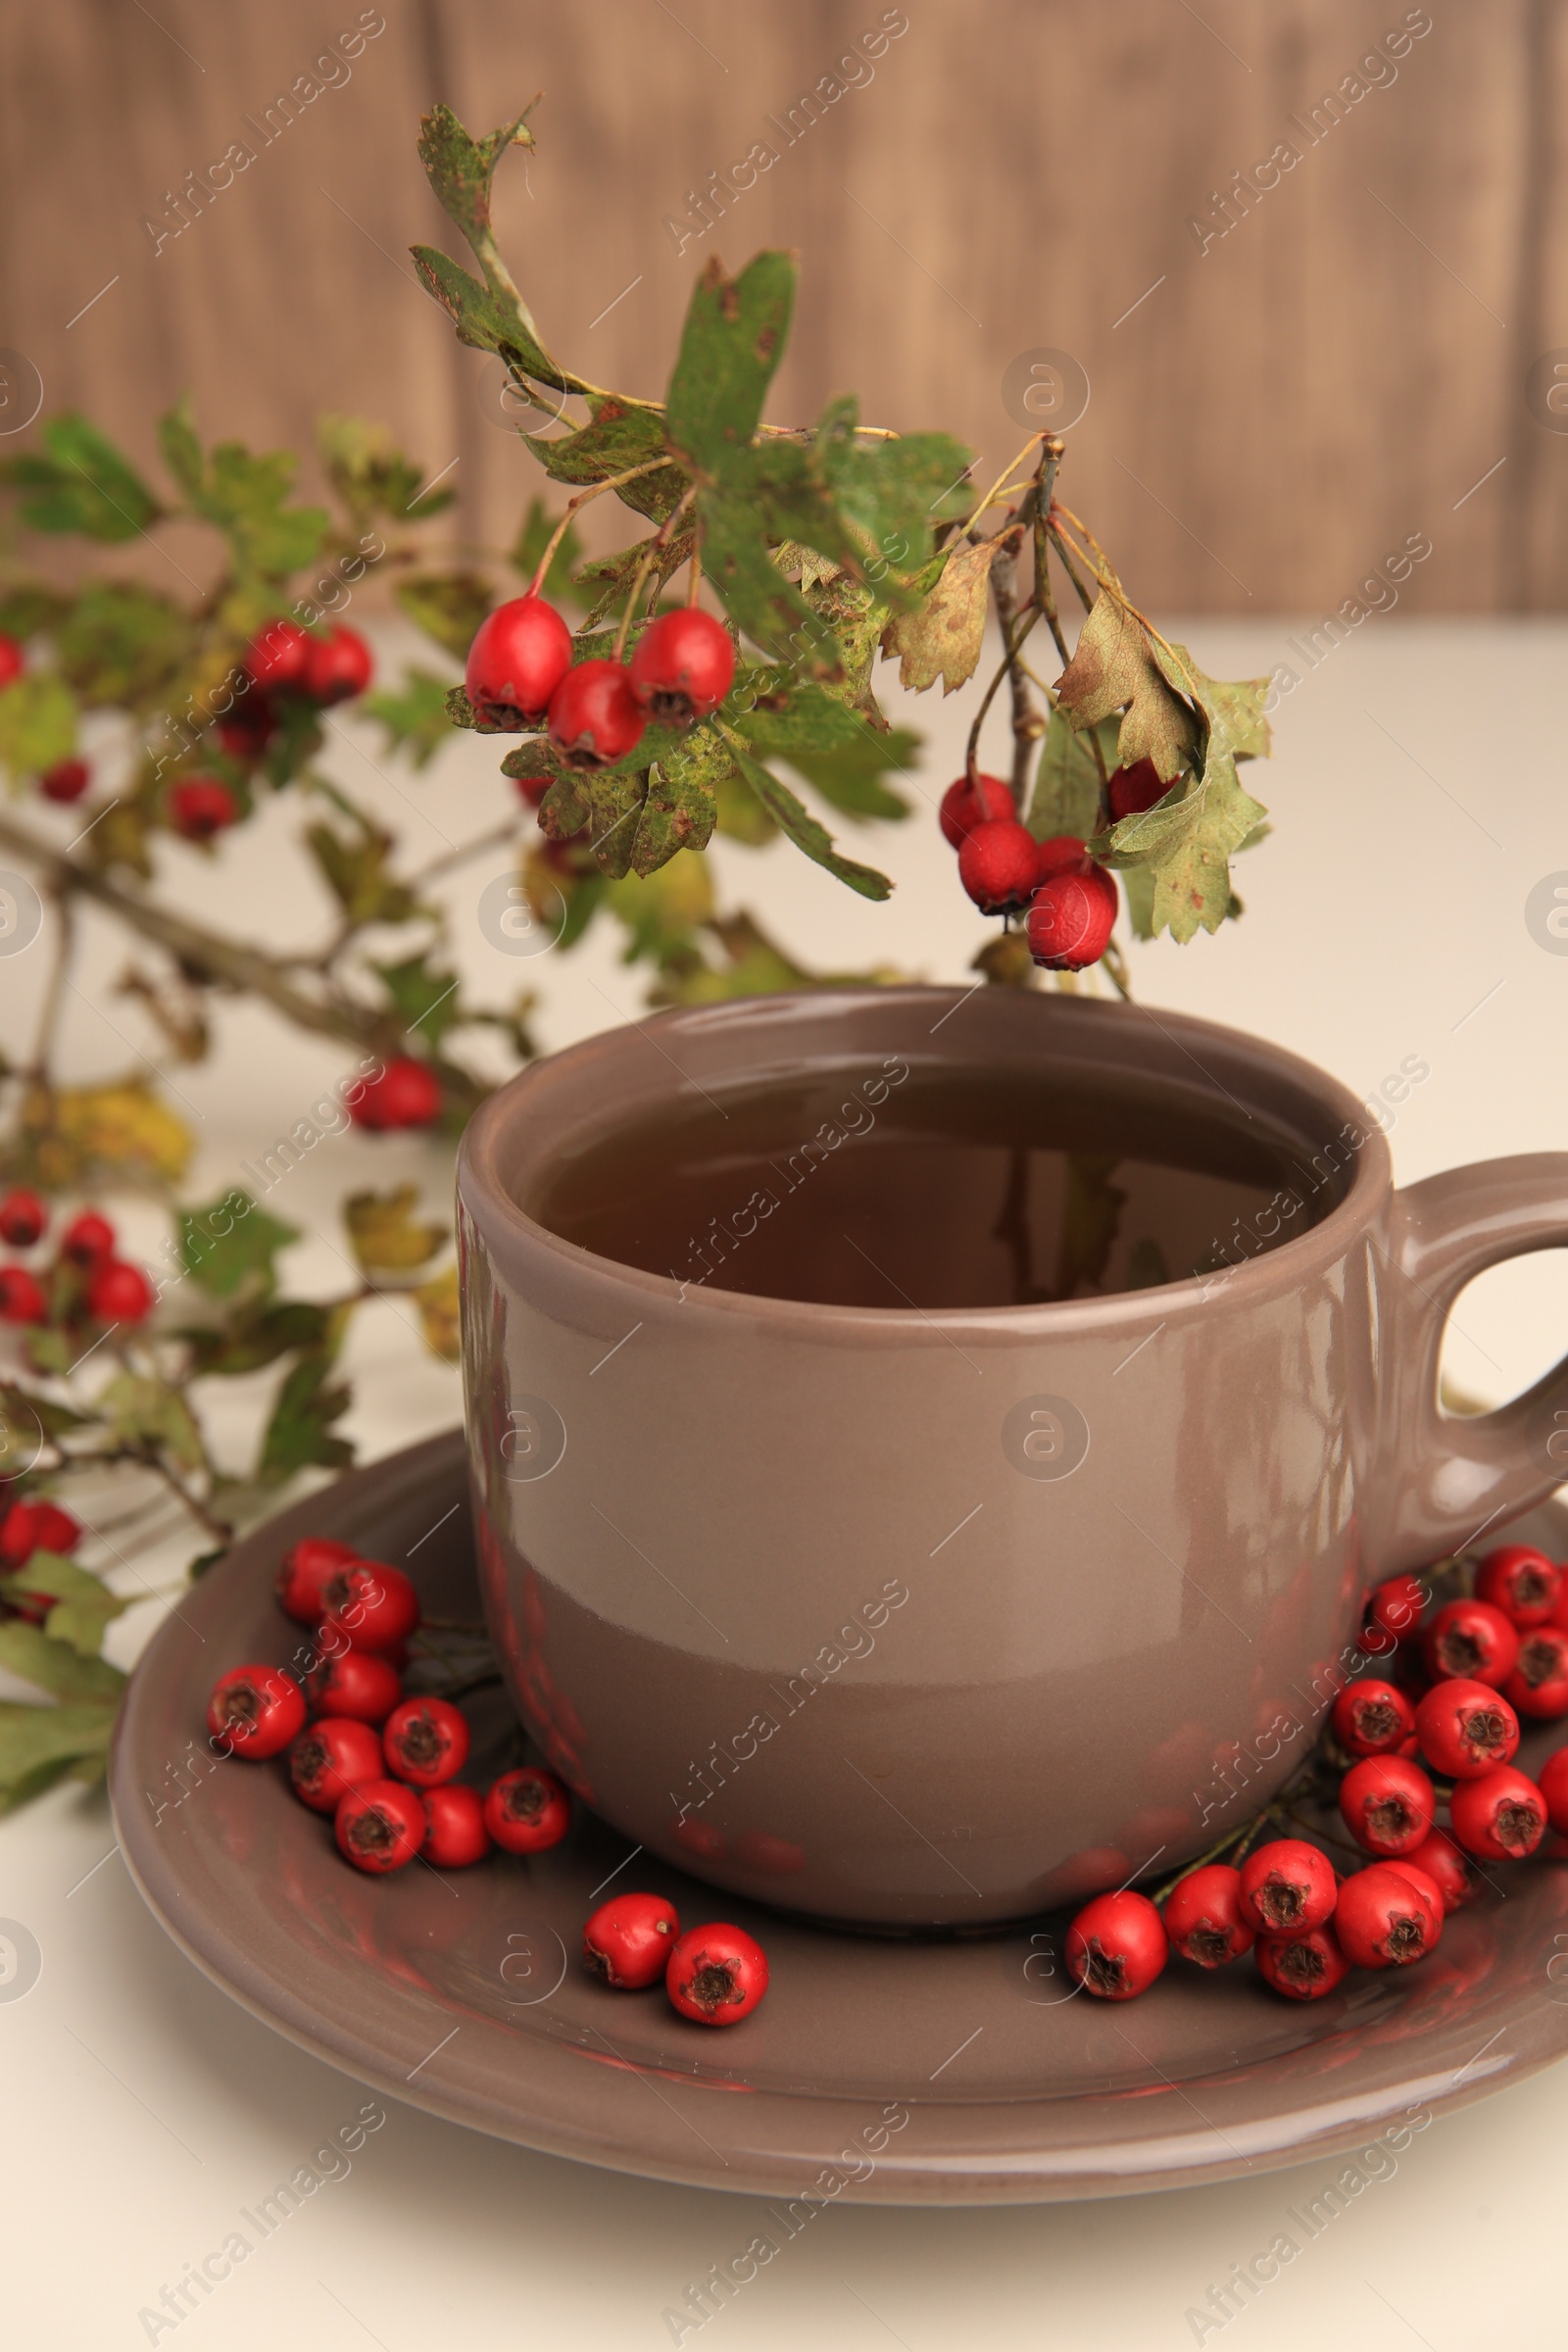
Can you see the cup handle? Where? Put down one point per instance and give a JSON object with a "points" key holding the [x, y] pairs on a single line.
{"points": [[1450, 1479]]}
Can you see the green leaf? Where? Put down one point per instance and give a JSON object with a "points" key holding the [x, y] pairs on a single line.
{"points": [[734, 338], [757, 596], [355, 871], [232, 1246], [534, 762], [565, 807], [609, 579], [941, 637], [144, 1411], [535, 535], [1113, 668], [37, 723], [85, 1606], [181, 448], [681, 807], [1187, 847], [618, 437], [426, 1002], [663, 913], [256, 1336], [384, 1234], [1138, 881], [1234, 709], [27, 609], [831, 744], [1067, 783], [803, 828], [461, 169], [488, 321], [84, 485], [448, 606], [122, 646], [615, 798], [849, 776], [299, 1435], [371, 474], [39, 1743], [893, 492], [23, 1412], [414, 716], [247, 498], [58, 1667]]}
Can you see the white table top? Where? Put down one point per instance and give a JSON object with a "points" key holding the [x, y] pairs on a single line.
{"points": [[144, 2109]]}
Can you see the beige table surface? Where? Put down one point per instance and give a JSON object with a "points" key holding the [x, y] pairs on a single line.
{"points": [[143, 2109]]}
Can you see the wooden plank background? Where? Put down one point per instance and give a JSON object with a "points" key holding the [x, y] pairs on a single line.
{"points": [[1282, 410]]}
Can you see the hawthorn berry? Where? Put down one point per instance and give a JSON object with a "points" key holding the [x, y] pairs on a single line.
{"points": [[356, 1683], [370, 1605], [528, 1811], [333, 1755], [628, 1940], [54, 1530], [1387, 1804], [683, 666], [1539, 1683], [21, 1297], [1302, 1967], [406, 1094], [1386, 1919], [1204, 1916], [1117, 1945], [23, 1218], [1500, 1818], [1552, 1781], [595, 718], [302, 1572], [338, 665], [87, 1240], [18, 1533], [245, 732], [119, 1293], [1521, 1582], [1287, 1887], [1392, 1611], [12, 659], [1444, 1866], [1372, 1719], [1071, 917], [258, 1710], [279, 657], [716, 1975], [519, 655], [1063, 853], [200, 807], [1132, 789], [66, 781], [966, 805], [425, 1740], [998, 864], [1472, 1640], [455, 1835], [1465, 1728], [380, 1826]]}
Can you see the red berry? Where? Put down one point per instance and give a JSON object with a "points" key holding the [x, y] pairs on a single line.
{"points": [[302, 1572], [380, 1826], [1117, 1945], [595, 718], [88, 1239], [245, 732], [279, 657], [374, 1606], [1422, 1880], [336, 1754], [258, 1710], [1444, 1866], [407, 1093], [1385, 1919], [1287, 1888], [23, 1218], [1372, 1718], [200, 807], [66, 781], [1063, 853], [455, 1834], [1072, 918], [1500, 1818], [1203, 1916], [1387, 1804], [54, 1530], [357, 1682], [716, 1975], [965, 805], [683, 666], [528, 1811], [1465, 1728], [427, 1741], [18, 1533], [12, 659], [1470, 1639], [1521, 1582], [1552, 1781], [119, 1293], [1539, 1683], [1302, 1967], [1134, 789], [21, 1297], [628, 1941], [338, 665], [518, 656], [1392, 1611], [998, 864]]}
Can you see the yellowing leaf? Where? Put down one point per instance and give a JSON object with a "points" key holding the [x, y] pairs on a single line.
{"points": [[439, 1310], [942, 636], [124, 1127], [386, 1236], [1113, 668]]}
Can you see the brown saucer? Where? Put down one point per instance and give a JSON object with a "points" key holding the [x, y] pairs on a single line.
{"points": [[881, 2072]]}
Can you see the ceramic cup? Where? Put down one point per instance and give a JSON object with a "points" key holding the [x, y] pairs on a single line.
{"points": [[935, 1618]]}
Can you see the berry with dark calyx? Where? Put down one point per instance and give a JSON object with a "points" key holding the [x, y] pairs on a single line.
{"points": [[426, 1742], [119, 1293], [12, 659], [332, 1758], [683, 668], [455, 1835], [256, 1711], [1500, 1818], [370, 1605], [355, 1683], [1372, 1719], [380, 1826], [528, 1811], [279, 657], [23, 1218], [1384, 1919], [406, 1094], [1393, 1613], [66, 781], [54, 1530], [1538, 1683], [302, 1572], [1473, 1640], [595, 718], [245, 732], [87, 1240], [628, 1940], [21, 1297], [200, 807], [1521, 1582], [1387, 1804], [1287, 1888], [1465, 1728], [1552, 1779], [1302, 1967], [1063, 853], [998, 864], [1132, 789], [1440, 1861], [966, 805], [1204, 1916], [1072, 918], [715, 1975], [338, 665], [519, 655], [1117, 1946]]}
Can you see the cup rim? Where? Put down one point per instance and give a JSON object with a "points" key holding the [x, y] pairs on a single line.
{"points": [[1270, 1273]]}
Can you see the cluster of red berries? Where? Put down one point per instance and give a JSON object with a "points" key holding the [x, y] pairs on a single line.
{"points": [[520, 675], [1465, 1677], [83, 1282], [284, 663], [26, 1528], [1071, 900], [714, 1974]]}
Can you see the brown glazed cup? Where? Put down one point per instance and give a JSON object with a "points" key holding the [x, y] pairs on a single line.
{"points": [[930, 1619]]}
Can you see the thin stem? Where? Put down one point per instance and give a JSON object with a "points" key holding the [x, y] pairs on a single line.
{"points": [[992, 494], [1069, 567], [1029, 615], [221, 1529], [612, 481], [54, 995], [1026, 728]]}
